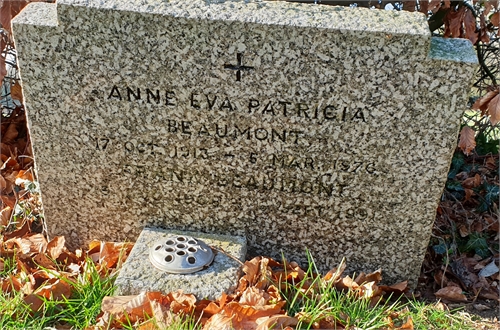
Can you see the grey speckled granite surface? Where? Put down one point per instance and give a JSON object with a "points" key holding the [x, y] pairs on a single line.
{"points": [[138, 274], [297, 126]]}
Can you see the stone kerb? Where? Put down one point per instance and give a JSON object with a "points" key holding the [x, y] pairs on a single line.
{"points": [[297, 126], [138, 275]]}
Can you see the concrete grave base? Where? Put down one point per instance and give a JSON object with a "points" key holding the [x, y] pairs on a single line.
{"points": [[138, 274]]}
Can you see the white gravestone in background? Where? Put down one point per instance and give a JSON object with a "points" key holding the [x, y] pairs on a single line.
{"points": [[298, 126]]}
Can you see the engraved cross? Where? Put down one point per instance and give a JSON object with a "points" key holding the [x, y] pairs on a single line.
{"points": [[238, 67]]}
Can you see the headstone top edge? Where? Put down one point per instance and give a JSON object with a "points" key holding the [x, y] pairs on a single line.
{"points": [[37, 13], [272, 13], [452, 49]]}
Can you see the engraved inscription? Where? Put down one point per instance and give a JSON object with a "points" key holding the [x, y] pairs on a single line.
{"points": [[164, 150], [326, 184], [318, 112], [224, 130], [235, 161], [134, 94], [238, 67], [101, 143]]}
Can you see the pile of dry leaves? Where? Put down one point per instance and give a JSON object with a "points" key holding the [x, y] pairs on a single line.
{"points": [[256, 304], [462, 261], [46, 269]]}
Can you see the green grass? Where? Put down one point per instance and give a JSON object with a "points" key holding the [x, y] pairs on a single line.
{"points": [[432, 317], [187, 323], [314, 300], [78, 312], [8, 266]]}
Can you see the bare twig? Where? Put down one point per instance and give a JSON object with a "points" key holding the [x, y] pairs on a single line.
{"points": [[221, 250]]}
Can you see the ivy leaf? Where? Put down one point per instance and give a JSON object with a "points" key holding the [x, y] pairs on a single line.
{"points": [[456, 189], [440, 248], [456, 164], [454, 185], [491, 193], [490, 197], [478, 244], [486, 146]]}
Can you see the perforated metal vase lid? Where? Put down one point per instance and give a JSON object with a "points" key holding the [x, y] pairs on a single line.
{"points": [[179, 254]]}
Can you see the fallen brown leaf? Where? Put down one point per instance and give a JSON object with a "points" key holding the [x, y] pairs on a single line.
{"points": [[467, 141], [250, 314], [470, 26], [16, 91], [25, 175], [408, 324], [220, 322], [346, 283], [453, 23], [16, 234], [276, 322], [161, 317], [38, 243], [494, 110], [108, 254], [9, 284], [115, 304], [5, 216], [335, 273], [138, 307], [214, 307], [472, 182], [495, 19], [55, 289], [481, 307], [42, 260], [483, 29], [3, 184], [253, 296], [482, 102], [56, 246], [433, 5], [376, 277], [398, 288], [3, 69], [23, 245], [451, 293], [180, 302], [11, 134], [34, 301], [464, 232], [6, 201], [468, 194]]}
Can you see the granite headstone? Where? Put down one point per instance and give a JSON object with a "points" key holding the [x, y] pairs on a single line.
{"points": [[295, 125]]}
